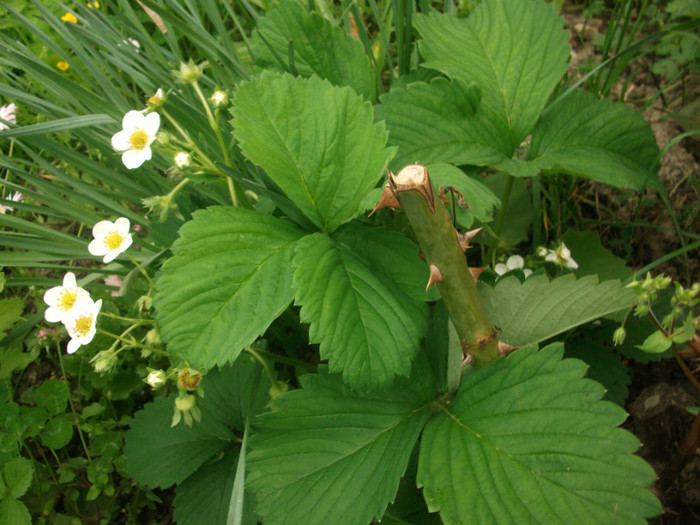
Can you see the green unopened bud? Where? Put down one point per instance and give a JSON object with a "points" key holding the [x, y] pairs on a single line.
{"points": [[188, 379], [619, 336], [144, 303], [277, 389], [163, 205], [641, 309], [163, 138], [186, 409], [156, 379], [153, 337], [104, 361], [189, 72]]}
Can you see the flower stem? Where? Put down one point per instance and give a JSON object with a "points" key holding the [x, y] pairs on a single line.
{"points": [[143, 272], [135, 343], [70, 403], [498, 228]]}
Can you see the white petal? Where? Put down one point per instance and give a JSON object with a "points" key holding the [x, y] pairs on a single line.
{"points": [[133, 120], [82, 296], [551, 257], [151, 124], [500, 268], [527, 272], [97, 248], [126, 243], [514, 262], [122, 224], [570, 263], [134, 158], [52, 295], [53, 315], [73, 345], [102, 228], [120, 140], [69, 281], [111, 256]]}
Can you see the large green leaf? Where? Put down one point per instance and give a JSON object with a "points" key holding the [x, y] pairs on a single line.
{"points": [[360, 291], [203, 498], [595, 139], [317, 142], [158, 455], [516, 51], [439, 122], [331, 455], [527, 440], [320, 48], [229, 278], [534, 310]]}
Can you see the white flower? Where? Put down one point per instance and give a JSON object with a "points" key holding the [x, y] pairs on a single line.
{"points": [[7, 112], [134, 43], [111, 239], [63, 300], [514, 262], [562, 257], [135, 139], [82, 324], [183, 160], [15, 197]]}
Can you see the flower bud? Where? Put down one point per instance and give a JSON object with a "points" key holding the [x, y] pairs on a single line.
{"points": [[144, 303], [162, 205], [104, 361], [619, 336], [153, 337], [277, 389], [156, 101], [219, 98], [182, 160], [156, 379]]}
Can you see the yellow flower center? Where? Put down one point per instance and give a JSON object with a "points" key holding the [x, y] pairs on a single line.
{"points": [[113, 240], [67, 299], [138, 139], [83, 325]]}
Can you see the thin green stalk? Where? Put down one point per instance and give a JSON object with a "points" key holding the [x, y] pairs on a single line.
{"points": [[127, 319], [286, 360], [140, 268], [498, 228], [70, 403], [135, 343]]}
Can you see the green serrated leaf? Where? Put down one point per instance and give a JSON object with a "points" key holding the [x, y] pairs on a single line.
{"points": [[439, 122], [605, 366], [203, 498], [160, 455], [479, 199], [593, 259], [354, 446], [317, 142], [52, 395], [595, 139], [14, 512], [515, 51], [319, 48], [229, 278], [57, 433], [358, 291], [537, 309], [527, 440], [17, 475]]}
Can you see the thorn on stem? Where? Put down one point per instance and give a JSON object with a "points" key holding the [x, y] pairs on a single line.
{"points": [[435, 276]]}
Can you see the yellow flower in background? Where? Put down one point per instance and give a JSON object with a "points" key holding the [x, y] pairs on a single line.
{"points": [[63, 66], [69, 17], [94, 5]]}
